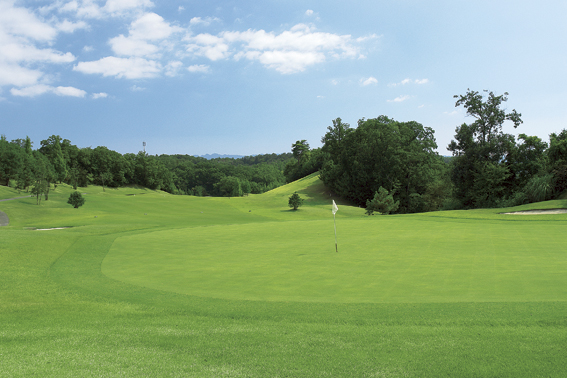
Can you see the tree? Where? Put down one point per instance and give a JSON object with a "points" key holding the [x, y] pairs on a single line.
{"points": [[300, 149], [483, 153], [25, 174], [38, 189], [43, 174], [556, 156], [310, 163], [383, 202], [527, 160], [10, 160], [295, 201], [76, 199], [489, 116], [382, 152], [333, 139], [229, 186], [51, 147], [105, 177]]}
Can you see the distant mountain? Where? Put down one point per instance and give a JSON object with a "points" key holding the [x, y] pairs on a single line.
{"points": [[215, 156]]}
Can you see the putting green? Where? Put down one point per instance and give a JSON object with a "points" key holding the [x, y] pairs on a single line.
{"points": [[411, 258]]}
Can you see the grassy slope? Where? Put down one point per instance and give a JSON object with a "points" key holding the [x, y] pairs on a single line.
{"points": [[61, 316]]}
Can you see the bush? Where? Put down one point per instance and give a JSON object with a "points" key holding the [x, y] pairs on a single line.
{"points": [[76, 199], [295, 201], [383, 202]]}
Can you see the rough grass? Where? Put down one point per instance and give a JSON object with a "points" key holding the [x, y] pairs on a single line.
{"points": [[468, 294]]}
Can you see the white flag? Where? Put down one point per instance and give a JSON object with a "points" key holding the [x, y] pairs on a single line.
{"points": [[335, 208]]}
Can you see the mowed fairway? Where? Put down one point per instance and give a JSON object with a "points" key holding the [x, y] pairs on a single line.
{"points": [[143, 283]]}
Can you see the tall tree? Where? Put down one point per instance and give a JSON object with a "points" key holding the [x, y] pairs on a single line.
{"points": [[488, 114], [300, 149], [557, 158], [334, 137], [10, 160], [51, 147], [482, 151], [25, 174], [43, 175]]}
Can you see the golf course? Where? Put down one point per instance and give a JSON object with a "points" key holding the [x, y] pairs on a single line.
{"points": [[142, 283]]}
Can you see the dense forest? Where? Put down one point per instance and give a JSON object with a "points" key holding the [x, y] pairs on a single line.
{"points": [[380, 158], [57, 160]]}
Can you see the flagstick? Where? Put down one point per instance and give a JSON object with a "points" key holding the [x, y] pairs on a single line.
{"points": [[336, 247]]}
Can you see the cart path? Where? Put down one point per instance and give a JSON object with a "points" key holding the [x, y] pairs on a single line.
{"points": [[4, 220], [9, 199]]}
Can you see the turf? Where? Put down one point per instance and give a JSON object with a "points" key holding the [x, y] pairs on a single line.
{"points": [[148, 284]]}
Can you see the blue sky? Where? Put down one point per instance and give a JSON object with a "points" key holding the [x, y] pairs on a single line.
{"points": [[252, 77]]}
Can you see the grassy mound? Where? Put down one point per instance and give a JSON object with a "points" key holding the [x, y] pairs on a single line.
{"points": [[149, 284]]}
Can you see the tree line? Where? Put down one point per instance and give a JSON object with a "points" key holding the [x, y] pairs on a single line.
{"points": [[58, 160], [391, 166]]}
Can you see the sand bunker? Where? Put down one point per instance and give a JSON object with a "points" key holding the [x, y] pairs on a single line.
{"points": [[539, 212], [47, 229]]}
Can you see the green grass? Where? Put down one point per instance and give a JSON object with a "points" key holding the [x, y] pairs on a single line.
{"points": [[158, 285]]}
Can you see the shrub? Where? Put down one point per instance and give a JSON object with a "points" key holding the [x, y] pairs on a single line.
{"points": [[295, 201], [76, 199], [383, 202]]}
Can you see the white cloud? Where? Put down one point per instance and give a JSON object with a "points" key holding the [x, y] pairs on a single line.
{"points": [[199, 68], [286, 62], [368, 38], [36, 90], [151, 27], [370, 80], [115, 7], [288, 52], [400, 98], [131, 47], [31, 91], [203, 21], [22, 62], [92, 9], [409, 81], [88, 48], [15, 21], [86, 9], [135, 88], [309, 12], [129, 68], [209, 46], [13, 74], [67, 26], [181, 8], [147, 27], [99, 95], [172, 68], [24, 52], [69, 91]]}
